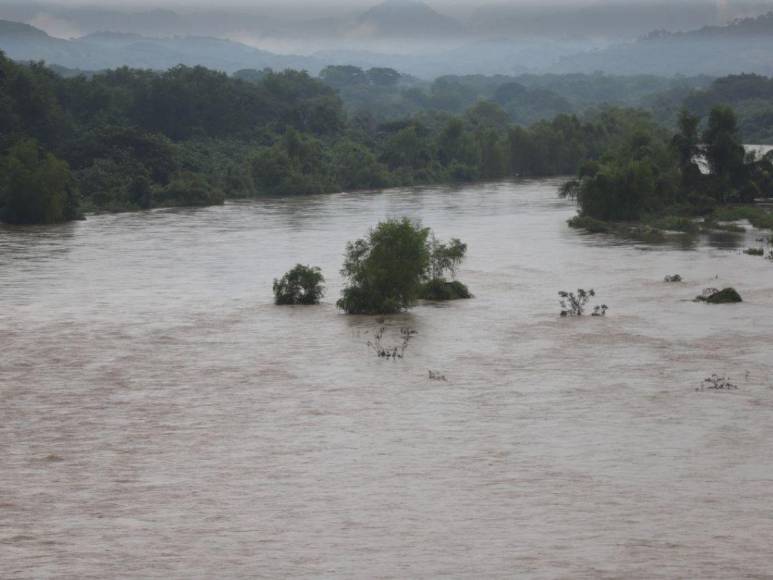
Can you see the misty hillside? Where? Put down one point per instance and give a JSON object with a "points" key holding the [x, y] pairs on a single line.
{"points": [[745, 45], [110, 50], [407, 19]]}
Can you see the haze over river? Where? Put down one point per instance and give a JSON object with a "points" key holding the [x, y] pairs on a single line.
{"points": [[161, 418]]}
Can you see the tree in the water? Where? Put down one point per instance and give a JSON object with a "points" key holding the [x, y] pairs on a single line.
{"points": [[36, 187], [301, 285], [385, 270], [445, 257]]}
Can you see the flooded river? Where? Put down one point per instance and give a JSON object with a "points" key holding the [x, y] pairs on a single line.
{"points": [[161, 418]]}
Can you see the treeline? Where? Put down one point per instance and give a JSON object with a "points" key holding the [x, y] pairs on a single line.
{"points": [[656, 174], [132, 139], [750, 95], [527, 99]]}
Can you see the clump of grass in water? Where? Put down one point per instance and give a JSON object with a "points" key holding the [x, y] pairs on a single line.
{"points": [[673, 278], [759, 217], [754, 252], [717, 383]]}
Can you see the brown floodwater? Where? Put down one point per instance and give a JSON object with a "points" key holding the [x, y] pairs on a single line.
{"points": [[161, 418]]}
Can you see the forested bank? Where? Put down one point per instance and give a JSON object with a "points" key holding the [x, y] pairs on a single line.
{"points": [[133, 139], [666, 180]]}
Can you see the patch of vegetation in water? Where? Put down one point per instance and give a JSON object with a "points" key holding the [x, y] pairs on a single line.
{"points": [[715, 296], [754, 252], [301, 285], [398, 263], [575, 304], [673, 223], [442, 290], [709, 225], [717, 383], [391, 351], [633, 231], [757, 216], [671, 278]]}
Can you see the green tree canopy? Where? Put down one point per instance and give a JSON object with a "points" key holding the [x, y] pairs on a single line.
{"points": [[385, 270], [35, 186]]}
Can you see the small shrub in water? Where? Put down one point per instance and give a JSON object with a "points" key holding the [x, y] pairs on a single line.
{"points": [[443, 261], [301, 285], [754, 251], [440, 290], [717, 383], [436, 376], [393, 352], [674, 278], [574, 304], [714, 296]]}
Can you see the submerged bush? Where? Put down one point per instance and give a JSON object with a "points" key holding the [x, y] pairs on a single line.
{"points": [[589, 224], [754, 251], [444, 259], [440, 290], [392, 352], [385, 270], [714, 296], [397, 264], [574, 304], [717, 383], [301, 285], [673, 278]]}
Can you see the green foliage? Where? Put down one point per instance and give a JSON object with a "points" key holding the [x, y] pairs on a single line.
{"points": [[444, 258], [295, 165], [301, 285], [190, 189], [724, 151], [384, 271], [36, 187], [759, 217], [438, 290], [648, 175]]}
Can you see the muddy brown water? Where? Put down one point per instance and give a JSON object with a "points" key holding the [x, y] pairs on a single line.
{"points": [[160, 418]]}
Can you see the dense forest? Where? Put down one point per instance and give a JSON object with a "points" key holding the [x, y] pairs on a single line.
{"points": [[131, 139]]}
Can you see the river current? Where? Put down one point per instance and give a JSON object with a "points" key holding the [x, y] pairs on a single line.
{"points": [[161, 418]]}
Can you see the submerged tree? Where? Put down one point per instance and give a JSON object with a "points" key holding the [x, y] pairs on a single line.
{"points": [[444, 259], [385, 270], [575, 304], [301, 285]]}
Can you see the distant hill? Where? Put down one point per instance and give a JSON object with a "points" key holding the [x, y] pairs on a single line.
{"points": [[110, 49], [406, 19], [743, 46]]}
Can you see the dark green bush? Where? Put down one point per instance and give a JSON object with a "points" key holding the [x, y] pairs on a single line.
{"points": [[440, 290], [385, 270], [301, 285], [714, 296]]}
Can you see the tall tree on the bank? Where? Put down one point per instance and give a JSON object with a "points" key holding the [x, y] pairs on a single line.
{"points": [[36, 187], [724, 150]]}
